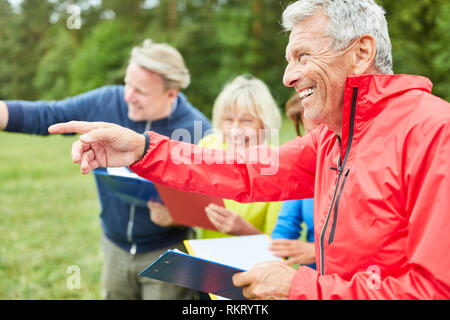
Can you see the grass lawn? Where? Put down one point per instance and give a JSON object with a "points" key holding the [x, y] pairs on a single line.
{"points": [[49, 220]]}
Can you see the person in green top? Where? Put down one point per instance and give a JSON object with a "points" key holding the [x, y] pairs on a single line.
{"points": [[244, 114]]}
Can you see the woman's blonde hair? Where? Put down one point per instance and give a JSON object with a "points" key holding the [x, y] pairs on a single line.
{"points": [[163, 59], [252, 94], [294, 110]]}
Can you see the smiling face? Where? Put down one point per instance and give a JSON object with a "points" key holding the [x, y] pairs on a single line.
{"points": [[316, 71], [146, 95], [240, 127]]}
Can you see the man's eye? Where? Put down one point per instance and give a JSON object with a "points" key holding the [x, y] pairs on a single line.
{"points": [[301, 57], [141, 92]]}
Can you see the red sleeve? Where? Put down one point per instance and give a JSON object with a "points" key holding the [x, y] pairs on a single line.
{"points": [[260, 174], [427, 275]]}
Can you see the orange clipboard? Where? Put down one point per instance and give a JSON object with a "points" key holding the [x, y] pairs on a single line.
{"points": [[188, 208]]}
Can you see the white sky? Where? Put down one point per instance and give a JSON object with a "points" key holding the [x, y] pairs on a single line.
{"points": [[148, 4], [15, 3]]}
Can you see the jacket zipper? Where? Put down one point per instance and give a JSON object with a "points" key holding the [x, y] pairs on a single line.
{"points": [[133, 247], [130, 230], [333, 227], [322, 234], [340, 170]]}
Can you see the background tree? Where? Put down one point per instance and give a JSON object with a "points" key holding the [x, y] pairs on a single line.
{"points": [[41, 59], [101, 59], [52, 77], [25, 44], [420, 35]]}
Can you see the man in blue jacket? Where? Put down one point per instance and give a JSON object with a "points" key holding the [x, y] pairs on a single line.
{"points": [[150, 99]]}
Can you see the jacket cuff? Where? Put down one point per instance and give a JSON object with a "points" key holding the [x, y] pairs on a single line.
{"points": [[15, 117], [304, 285], [147, 145]]}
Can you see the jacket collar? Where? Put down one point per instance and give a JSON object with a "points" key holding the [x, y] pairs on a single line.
{"points": [[365, 97]]}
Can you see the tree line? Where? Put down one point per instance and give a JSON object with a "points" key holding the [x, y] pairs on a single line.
{"points": [[49, 50]]}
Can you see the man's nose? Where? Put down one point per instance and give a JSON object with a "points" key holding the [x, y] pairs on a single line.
{"points": [[291, 75], [235, 124], [234, 129], [129, 95]]}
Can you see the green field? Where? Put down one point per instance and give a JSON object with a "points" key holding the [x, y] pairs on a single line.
{"points": [[49, 220]]}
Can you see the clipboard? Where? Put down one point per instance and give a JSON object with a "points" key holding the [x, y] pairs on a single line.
{"points": [[195, 273], [240, 252], [188, 208], [128, 186]]}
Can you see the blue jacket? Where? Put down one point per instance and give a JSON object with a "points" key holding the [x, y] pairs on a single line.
{"points": [[290, 218], [126, 225]]}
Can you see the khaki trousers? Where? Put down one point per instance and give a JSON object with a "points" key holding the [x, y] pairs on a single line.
{"points": [[121, 280]]}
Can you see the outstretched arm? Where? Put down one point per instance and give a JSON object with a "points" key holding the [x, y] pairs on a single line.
{"points": [[261, 174], [4, 115]]}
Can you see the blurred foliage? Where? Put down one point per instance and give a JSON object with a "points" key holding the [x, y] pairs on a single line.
{"points": [[101, 57], [420, 34], [41, 59], [52, 73]]}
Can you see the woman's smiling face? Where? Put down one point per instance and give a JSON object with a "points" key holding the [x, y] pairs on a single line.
{"points": [[240, 127]]}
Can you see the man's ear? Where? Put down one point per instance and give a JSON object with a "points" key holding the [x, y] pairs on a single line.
{"points": [[172, 93], [364, 53]]}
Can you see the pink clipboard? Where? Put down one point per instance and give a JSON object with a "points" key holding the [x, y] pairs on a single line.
{"points": [[188, 208]]}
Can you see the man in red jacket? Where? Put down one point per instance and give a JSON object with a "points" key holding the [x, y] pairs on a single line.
{"points": [[378, 166]]}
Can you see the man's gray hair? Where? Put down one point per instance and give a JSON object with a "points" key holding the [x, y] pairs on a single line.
{"points": [[348, 20], [165, 60]]}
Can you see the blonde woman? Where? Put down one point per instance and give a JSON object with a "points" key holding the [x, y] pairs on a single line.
{"points": [[244, 114]]}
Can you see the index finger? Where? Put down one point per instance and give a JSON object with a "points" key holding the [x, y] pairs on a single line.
{"points": [[215, 206], [77, 127], [280, 242], [219, 210], [78, 148]]}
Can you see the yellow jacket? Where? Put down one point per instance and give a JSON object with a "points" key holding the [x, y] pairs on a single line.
{"points": [[262, 215]]}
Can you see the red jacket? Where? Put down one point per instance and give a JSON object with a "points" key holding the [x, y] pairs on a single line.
{"points": [[381, 208]]}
